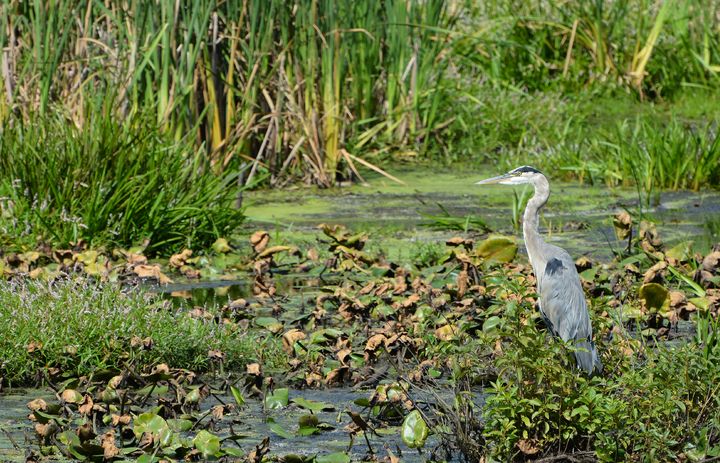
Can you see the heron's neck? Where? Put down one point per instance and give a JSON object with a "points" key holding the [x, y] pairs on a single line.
{"points": [[531, 219]]}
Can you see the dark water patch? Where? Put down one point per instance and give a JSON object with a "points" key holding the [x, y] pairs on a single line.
{"points": [[251, 423]]}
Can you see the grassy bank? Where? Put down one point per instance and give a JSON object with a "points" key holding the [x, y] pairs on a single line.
{"points": [[76, 328]]}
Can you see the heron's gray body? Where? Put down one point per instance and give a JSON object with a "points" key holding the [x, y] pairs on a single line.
{"points": [[561, 297]]}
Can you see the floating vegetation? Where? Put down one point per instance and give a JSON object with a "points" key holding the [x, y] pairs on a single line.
{"points": [[421, 347]]}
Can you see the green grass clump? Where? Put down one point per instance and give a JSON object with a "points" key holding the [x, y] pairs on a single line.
{"points": [[80, 328], [109, 183], [652, 48], [671, 156], [651, 403]]}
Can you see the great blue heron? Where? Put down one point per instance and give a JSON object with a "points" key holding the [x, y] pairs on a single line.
{"points": [[561, 298]]}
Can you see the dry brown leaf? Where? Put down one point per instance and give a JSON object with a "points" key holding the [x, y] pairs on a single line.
{"points": [[446, 333], [259, 240], [85, 432], [152, 272], [528, 446], [218, 411], [374, 342], [677, 299], [71, 396], [289, 339], [655, 274], [711, 262], [34, 346], [216, 354], [343, 355], [179, 259], [110, 451], [161, 369], [253, 369], [37, 404], [623, 225], [120, 419], [313, 254], [136, 259], [86, 406]]}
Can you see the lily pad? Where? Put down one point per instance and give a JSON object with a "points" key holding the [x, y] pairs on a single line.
{"points": [[414, 430], [207, 443], [278, 399], [654, 295], [498, 248], [153, 424], [338, 457], [313, 406], [279, 430]]}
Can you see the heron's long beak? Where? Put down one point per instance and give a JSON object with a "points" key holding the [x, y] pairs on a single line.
{"points": [[490, 181]]}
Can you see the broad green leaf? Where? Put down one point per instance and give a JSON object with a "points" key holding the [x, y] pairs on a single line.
{"points": [[280, 431], [654, 295], [339, 457], [207, 443], [312, 405], [497, 249], [277, 399], [180, 425], [154, 424], [491, 324], [697, 289], [414, 430]]}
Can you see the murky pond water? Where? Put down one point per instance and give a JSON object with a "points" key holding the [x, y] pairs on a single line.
{"points": [[250, 425], [577, 217]]}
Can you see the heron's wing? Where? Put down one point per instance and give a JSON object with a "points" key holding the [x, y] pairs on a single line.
{"points": [[562, 304], [562, 300]]}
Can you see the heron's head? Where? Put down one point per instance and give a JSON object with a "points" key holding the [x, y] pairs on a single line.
{"points": [[519, 176]]}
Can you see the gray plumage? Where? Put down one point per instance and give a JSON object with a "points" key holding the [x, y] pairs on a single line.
{"points": [[561, 299]]}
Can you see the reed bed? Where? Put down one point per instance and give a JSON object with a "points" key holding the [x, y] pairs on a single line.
{"points": [[283, 89]]}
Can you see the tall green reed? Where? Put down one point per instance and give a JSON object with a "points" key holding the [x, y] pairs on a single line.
{"points": [[281, 86], [109, 183]]}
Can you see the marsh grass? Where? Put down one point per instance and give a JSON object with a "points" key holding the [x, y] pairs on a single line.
{"points": [[82, 328], [110, 184], [650, 48], [287, 87], [653, 401], [672, 156]]}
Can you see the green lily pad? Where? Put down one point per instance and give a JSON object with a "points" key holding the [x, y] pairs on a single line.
{"points": [[681, 251], [498, 248], [155, 425], [278, 399], [654, 295], [269, 323], [308, 425], [414, 430], [312, 405], [207, 443], [221, 246], [180, 425], [338, 457], [280, 431]]}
